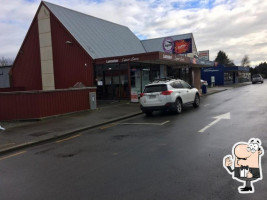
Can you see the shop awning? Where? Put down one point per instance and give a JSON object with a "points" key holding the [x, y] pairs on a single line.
{"points": [[157, 58], [236, 69]]}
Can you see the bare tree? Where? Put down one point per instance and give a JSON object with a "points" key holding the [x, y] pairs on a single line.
{"points": [[245, 61], [6, 61]]}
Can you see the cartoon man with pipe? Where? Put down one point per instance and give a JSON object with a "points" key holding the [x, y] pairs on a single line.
{"points": [[247, 163]]}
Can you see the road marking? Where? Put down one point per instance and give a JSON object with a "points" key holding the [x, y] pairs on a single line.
{"points": [[165, 122], [69, 138], [156, 124], [105, 127], [218, 118], [206, 105], [12, 155]]}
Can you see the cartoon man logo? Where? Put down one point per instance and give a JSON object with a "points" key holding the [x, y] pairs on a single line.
{"points": [[247, 163]]}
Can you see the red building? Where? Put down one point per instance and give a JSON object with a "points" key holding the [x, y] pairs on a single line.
{"points": [[64, 47]]}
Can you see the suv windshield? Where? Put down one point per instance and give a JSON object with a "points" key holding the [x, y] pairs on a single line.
{"points": [[155, 88]]}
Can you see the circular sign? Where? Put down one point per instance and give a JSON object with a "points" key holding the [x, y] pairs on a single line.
{"points": [[167, 45]]}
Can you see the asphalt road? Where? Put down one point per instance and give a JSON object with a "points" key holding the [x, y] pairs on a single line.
{"points": [[160, 157]]}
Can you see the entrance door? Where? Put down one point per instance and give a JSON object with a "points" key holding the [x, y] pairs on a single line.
{"points": [[139, 79], [112, 82]]}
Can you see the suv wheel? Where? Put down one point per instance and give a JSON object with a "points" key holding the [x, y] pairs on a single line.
{"points": [[197, 101], [178, 106]]}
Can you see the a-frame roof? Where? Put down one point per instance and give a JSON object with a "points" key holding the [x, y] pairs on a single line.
{"points": [[98, 37]]}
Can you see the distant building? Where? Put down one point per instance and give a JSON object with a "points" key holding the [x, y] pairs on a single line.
{"points": [[4, 76], [223, 75]]}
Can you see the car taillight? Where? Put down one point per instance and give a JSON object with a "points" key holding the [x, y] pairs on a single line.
{"points": [[168, 92], [142, 94]]}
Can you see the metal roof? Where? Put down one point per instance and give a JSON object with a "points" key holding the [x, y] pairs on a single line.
{"points": [[98, 37], [152, 45]]}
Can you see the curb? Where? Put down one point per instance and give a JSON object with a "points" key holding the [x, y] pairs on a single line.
{"points": [[64, 135], [67, 134], [203, 95], [235, 86]]}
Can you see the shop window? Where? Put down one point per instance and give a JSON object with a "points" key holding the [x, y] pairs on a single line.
{"points": [[112, 81], [228, 76], [1, 71]]}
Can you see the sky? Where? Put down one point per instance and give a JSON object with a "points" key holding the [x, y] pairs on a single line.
{"points": [[237, 27]]}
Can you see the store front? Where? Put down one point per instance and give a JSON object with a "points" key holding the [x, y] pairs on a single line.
{"points": [[112, 81], [229, 78], [223, 75], [125, 77]]}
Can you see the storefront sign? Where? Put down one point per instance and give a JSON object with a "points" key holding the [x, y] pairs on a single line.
{"points": [[129, 59], [134, 96], [180, 59], [112, 61], [210, 70], [203, 55], [183, 46], [205, 62], [165, 56], [167, 45], [202, 62]]}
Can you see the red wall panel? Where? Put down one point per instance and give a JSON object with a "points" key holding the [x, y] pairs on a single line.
{"points": [[26, 71], [38, 104], [69, 59]]}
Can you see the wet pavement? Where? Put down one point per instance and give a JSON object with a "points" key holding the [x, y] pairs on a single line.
{"points": [[24, 134], [20, 134], [159, 157]]}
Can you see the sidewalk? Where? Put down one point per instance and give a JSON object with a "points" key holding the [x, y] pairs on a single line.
{"points": [[22, 134], [19, 135], [216, 89]]}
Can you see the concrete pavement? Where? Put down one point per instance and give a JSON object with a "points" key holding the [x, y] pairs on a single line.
{"points": [[216, 89], [19, 135], [33, 133]]}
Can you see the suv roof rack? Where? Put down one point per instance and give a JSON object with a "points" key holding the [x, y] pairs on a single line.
{"points": [[163, 79]]}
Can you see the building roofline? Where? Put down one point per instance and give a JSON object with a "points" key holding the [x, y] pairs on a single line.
{"points": [[23, 42], [168, 36], [78, 43], [83, 13]]}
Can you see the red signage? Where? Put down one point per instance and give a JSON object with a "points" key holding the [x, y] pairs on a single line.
{"points": [[182, 46]]}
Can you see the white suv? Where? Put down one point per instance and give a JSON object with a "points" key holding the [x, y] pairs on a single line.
{"points": [[170, 94]]}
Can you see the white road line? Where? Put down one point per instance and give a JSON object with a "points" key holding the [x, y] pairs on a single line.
{"points": [[206, 105], [217, 119], [165, 122], [211, 124]]}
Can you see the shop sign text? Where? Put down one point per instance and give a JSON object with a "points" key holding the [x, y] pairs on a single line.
{"points": [[112, 61], [167, 56], [129, 59]]}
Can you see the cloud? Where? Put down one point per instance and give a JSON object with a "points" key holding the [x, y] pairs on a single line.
{"points": [[234, 26]]}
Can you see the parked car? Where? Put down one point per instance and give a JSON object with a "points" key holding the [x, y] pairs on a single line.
{"points": [[257, 78], [168, 95]]}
